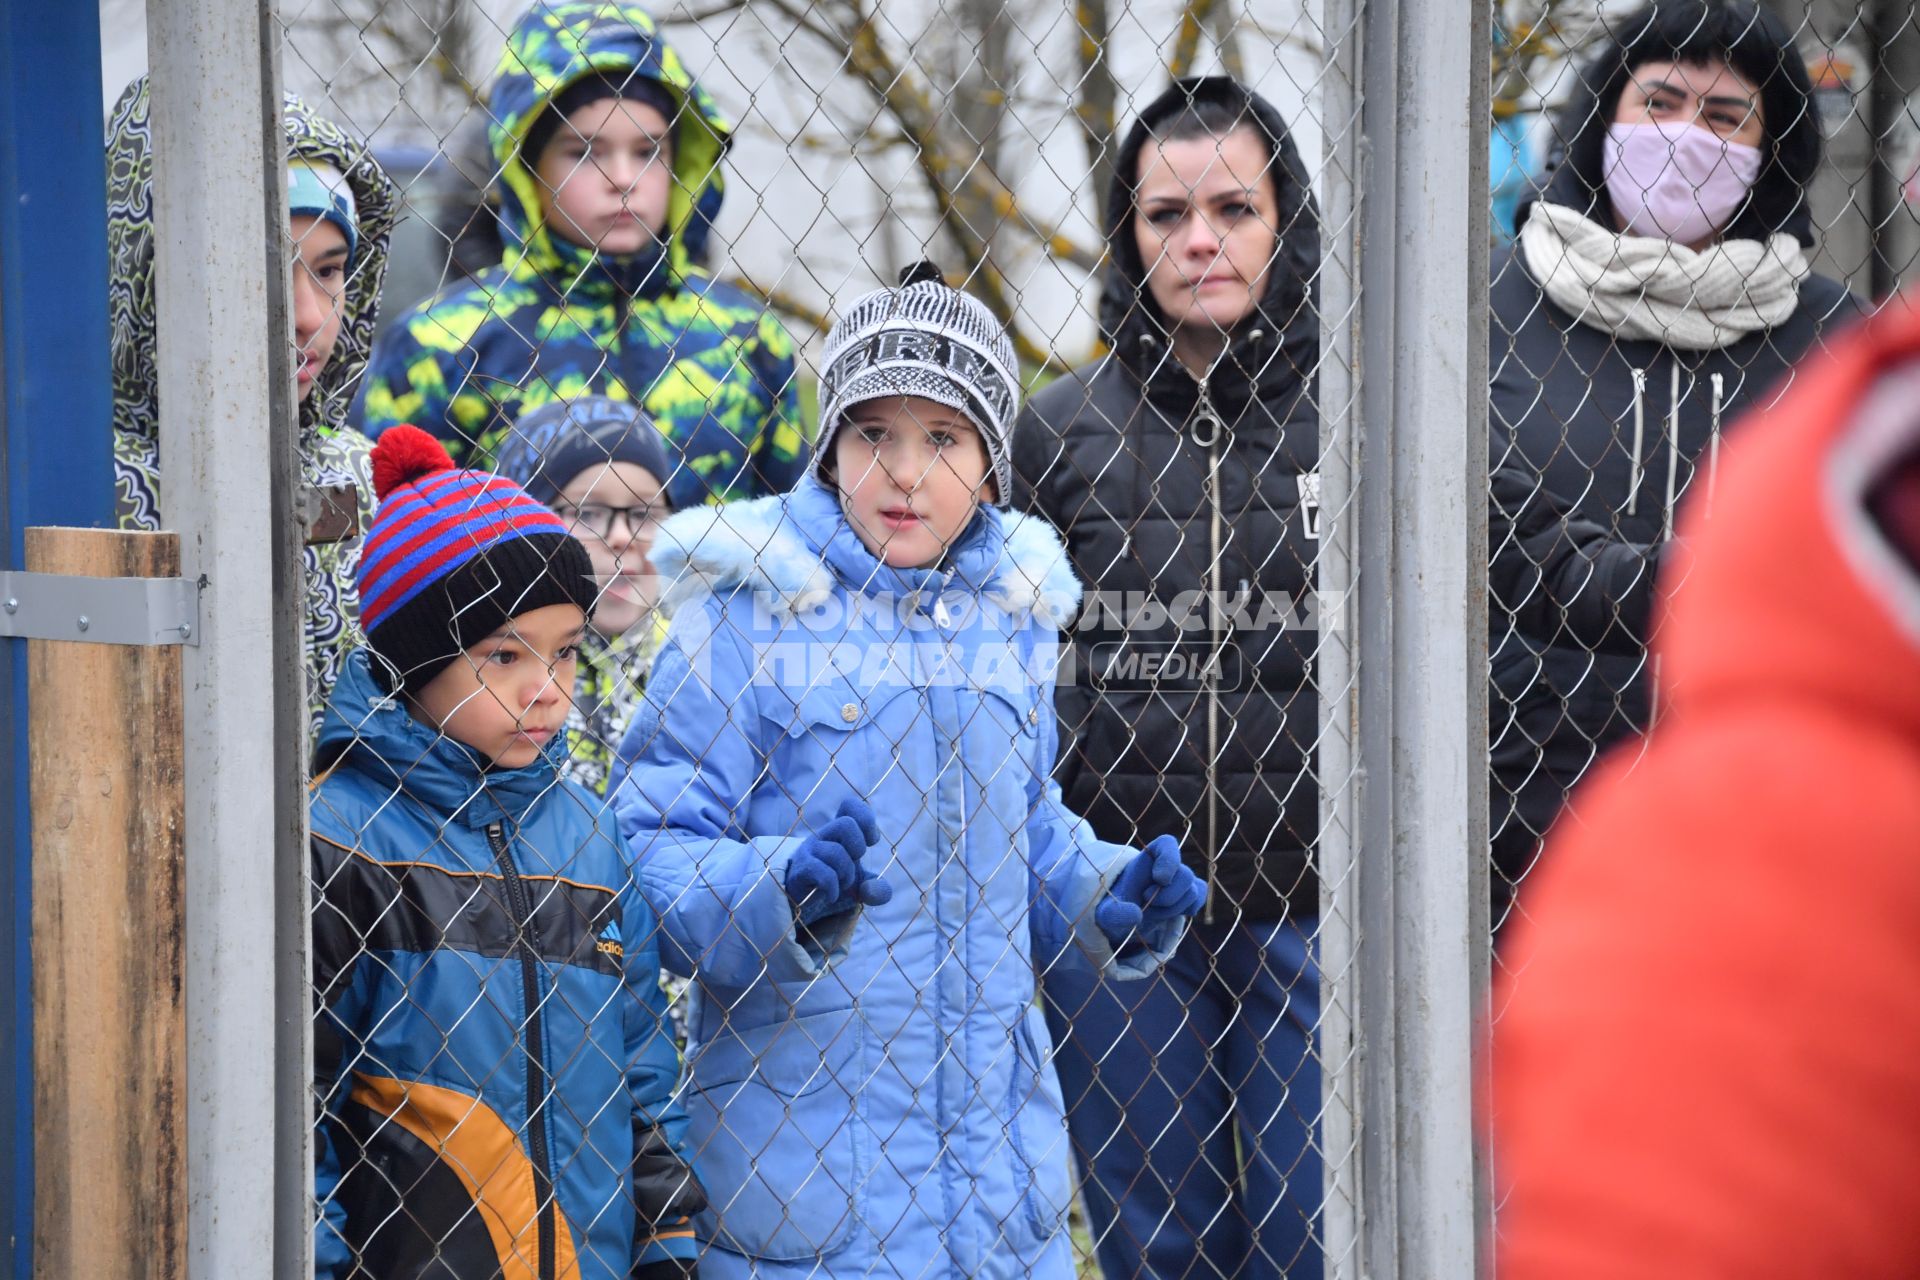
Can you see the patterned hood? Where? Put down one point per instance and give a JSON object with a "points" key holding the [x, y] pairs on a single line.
{"points": [[310, 136], [330, 454], [556, 44]]}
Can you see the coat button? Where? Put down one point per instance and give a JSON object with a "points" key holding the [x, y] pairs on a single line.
{"points": [[1033, 716], [850, 713]]}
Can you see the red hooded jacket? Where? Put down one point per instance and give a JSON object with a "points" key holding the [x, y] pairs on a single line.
{"points": [[1707, 1054]]}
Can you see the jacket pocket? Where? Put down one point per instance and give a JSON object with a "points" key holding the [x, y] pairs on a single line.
{"points": [[1017, 712], [772, 1128], [835, 735], [1038, 1127]]}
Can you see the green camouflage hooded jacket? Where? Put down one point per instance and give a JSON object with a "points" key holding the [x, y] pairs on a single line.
{"points": [[612, 677], [555, 320], [331, 453]]}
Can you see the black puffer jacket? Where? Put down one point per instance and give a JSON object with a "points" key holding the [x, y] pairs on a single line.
{"points": [[1165, 486], [1565, 397]]}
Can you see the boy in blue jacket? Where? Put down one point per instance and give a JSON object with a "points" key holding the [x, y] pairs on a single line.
{"points": [[845, 753], [498, 1090]]}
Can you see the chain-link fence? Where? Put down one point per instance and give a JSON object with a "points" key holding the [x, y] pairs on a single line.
{"points": [[892, 1093], [771, 715]]}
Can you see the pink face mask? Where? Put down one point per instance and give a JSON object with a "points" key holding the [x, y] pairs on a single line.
{"points": [[1677, 181]]}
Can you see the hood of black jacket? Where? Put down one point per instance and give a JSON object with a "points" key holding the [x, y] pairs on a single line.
{"points": [[1577, 165], [1271, 352]]}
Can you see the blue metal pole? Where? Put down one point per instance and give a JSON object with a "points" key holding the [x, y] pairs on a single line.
{"points": [[56, 450]]}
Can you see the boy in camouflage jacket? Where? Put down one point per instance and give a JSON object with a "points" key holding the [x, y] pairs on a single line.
{"points": [[608, 156]]}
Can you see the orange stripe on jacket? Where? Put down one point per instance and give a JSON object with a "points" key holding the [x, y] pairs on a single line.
{"points": [[487, 1157]]}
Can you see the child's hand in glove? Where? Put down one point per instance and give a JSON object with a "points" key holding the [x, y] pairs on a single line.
{"points": [[1152, 890], [824, 876]]}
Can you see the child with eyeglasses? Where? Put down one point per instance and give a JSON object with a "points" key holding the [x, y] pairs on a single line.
{"points": [[603, 466]]}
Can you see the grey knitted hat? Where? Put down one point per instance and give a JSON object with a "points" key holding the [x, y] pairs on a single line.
{"points": [[923, 339]]}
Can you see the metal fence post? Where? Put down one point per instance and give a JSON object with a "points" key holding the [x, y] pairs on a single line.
{"points": [[1422, 629], [1340, 848], [228, 466]]}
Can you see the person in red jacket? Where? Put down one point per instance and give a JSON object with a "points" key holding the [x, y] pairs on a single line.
{"points": [[1707, 1054]]}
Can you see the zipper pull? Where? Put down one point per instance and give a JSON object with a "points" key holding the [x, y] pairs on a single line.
{"points": [[942, 617], [1206, 419]]}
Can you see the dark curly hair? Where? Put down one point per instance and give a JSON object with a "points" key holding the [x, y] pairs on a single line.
{"points": [[1751, 41]]}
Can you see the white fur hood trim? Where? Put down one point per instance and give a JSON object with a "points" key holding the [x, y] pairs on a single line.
{"points": [[713, 550], [1035, 575]]}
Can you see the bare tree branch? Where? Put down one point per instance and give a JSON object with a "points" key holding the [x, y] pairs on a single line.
{"points": [[1099, 96], [684, 13], [1528, 33], [380, 51], [1226, 39], [803, 20], [969, 198], [1186, 37], [953, 131]]}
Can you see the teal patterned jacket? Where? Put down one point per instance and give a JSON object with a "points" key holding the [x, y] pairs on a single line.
{"points": [[331, 453], [607, 688], [554, 320]]}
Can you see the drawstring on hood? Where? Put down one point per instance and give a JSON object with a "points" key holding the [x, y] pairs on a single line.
{"points": [[1636, 466], [1673, 450], [1713, 443], [1796, 504], [1639, 440]]}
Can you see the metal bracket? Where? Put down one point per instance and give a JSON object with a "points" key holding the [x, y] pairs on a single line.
{"points": [[137, 611], [328, 513]]}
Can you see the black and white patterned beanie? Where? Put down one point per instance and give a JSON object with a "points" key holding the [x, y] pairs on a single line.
{"points": [[923, 339]]}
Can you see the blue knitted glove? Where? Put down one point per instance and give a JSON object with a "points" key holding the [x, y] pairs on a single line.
{"points": [[824, 876], [1152, 890]]}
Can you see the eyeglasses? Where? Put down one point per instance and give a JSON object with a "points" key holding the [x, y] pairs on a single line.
{"points": [[642, 520]]}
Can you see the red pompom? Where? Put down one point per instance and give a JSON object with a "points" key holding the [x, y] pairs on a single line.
{"points": [[404, 454]]}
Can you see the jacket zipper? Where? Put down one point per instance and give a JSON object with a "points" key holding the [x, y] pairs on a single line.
{"points": [[535, 1048], [622, 312], [1207, 431]]}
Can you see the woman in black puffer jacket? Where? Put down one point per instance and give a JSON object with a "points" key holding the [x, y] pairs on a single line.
{"points": [[1659, 289], [1183, 464], [1182, 471]]}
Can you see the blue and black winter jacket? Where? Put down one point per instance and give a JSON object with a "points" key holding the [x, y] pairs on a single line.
{"points": [[497, 1081]]}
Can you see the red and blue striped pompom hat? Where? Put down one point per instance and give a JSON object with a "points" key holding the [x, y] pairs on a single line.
{"points": [[453, 555]]}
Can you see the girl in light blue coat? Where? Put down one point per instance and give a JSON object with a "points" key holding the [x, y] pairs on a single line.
{"points": [[838, 793]]}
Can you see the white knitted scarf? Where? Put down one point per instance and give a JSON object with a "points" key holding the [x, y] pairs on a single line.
{"points": [[1645, 287]]}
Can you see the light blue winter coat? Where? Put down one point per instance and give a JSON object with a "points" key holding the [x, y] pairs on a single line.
{"points": [[877, 1098]]}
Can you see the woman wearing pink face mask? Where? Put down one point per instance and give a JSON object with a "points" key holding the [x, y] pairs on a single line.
{"points": [[1659, 288]]}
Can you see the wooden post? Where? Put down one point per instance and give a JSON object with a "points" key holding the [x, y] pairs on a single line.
{"points": [[110, 1194]]}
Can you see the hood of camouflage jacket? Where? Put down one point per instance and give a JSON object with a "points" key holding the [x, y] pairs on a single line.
{"points": [[554, 45]]}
